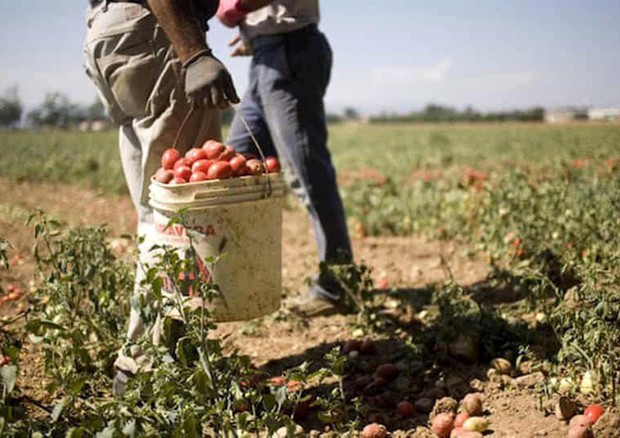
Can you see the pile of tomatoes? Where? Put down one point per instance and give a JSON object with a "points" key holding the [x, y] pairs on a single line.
{"points": [[214, 160]]}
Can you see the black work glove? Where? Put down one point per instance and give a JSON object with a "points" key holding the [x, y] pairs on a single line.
{"points": [[207, 82]]}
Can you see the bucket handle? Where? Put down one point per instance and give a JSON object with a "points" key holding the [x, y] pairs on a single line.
{"points": [[247, 127], [255, 141]]}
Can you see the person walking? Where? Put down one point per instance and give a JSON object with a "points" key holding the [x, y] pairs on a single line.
{"points": [[153, 70], [283, 106]]}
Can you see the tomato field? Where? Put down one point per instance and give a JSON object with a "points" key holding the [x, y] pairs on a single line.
{"points": [[485, 292]]}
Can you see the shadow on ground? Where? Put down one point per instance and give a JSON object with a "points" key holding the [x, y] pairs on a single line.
{"points": [[440, 338]]}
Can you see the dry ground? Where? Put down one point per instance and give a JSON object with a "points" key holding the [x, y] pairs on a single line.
{"points": [[406, 263]]}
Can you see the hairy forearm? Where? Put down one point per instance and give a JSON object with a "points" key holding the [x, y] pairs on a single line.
{"points": [[181, 24]]}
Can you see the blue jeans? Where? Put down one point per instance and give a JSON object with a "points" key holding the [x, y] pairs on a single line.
{"points": [[284, 107]]}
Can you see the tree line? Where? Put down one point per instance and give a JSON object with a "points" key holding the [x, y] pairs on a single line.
{"points": [[55, 111], [58, 111], [441, 113]]}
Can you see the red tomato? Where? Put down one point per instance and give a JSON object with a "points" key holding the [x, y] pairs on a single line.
{"points": [[254, 167], [238, 165], [13, 295], [593, 412], [202, 166], [196, 154], [460, 419], [169, 157], [183, 172], [176, 180], [405, 409], [182, 162], [10, 287], [220, 170], [164, 175], [294, 386], [277, 381], [227, 154], [368, 347], [198, 176], [387, 371], [213, 149], [273, 165], [240, 406]]}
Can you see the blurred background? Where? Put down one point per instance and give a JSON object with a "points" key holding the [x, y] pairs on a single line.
{"points": [[425, 60]]}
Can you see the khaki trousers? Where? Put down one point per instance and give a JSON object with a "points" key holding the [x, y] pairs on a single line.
{"points": [[141, 84]]}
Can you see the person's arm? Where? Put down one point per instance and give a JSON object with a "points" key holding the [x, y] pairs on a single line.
{"points": [[206, 79], [181, 25], [231, 12]]}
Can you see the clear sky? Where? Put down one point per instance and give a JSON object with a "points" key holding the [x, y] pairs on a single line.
{"points": [[390, 55]]}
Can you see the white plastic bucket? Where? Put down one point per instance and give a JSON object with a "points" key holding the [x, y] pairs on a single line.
{"points": [[239, 219]]}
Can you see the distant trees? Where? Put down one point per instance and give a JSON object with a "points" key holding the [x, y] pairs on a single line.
{"points": [[351, 113], [10, 107], [441, 113], [58, 111]]}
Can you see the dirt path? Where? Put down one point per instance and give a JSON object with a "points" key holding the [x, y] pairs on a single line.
{"points": [[405, 263]]}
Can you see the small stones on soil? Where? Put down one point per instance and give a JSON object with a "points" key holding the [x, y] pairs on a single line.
{"points": [[462, 433], [493, 376], [283, 432], [530, 380], [501, 365], [476, 384], [472, 404], [608, 424]]}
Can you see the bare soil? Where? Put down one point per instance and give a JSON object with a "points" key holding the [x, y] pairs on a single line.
{"points": [[408, 264]]}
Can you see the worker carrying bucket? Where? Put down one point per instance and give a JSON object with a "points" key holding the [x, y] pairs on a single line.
{"points": [[154, 72], [151, 65]]}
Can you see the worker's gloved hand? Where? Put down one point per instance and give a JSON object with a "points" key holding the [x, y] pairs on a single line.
{"points": [[231, 12], [207, 82]]}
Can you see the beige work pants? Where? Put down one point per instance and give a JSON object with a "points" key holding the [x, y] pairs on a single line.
{"points": [[141, 84]]}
